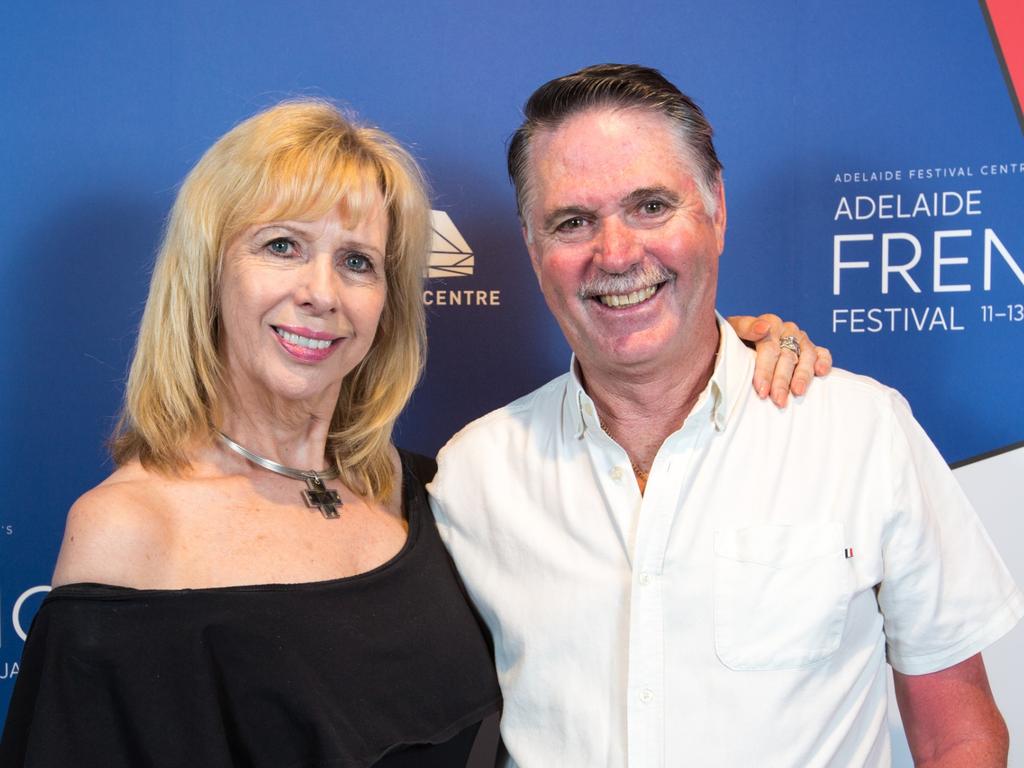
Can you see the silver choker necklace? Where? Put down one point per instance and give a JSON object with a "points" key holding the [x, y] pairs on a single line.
{"points": [[316, 493]]}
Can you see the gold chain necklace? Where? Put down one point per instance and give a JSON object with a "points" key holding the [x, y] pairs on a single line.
{"points": [[641, 474]]}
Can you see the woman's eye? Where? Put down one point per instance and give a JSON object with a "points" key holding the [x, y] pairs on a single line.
{"points": [[357, 262], [280, 246]]}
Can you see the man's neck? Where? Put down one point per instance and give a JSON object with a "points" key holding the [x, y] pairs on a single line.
{"points": [[640, 409]]}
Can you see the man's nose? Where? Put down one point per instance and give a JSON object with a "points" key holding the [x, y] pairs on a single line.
{"points": [[618, 247]]}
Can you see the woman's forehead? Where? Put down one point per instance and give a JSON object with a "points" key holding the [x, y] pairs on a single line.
{"points": [[354, 204]]}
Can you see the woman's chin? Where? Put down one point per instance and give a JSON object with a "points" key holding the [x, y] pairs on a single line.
{"points": [[290, 394]]}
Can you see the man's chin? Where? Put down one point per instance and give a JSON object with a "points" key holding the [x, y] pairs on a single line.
{"points": [[628, 355]]}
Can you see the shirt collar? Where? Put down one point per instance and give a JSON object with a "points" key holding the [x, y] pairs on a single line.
{"points": [[732, 373]]}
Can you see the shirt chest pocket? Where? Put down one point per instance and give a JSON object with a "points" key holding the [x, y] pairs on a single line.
{"points": [[781, 594]]}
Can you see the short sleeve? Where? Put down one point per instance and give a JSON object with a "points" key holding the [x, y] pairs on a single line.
{"points": [[945, 594]]}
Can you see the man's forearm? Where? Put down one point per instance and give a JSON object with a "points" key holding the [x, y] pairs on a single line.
{"points": [[985, 751], [951, 719]]}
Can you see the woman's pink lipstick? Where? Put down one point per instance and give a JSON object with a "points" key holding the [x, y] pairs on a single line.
{"points": [[305, 344]]}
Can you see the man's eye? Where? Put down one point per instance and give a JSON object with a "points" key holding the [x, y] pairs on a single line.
{"points": [[576, 222], [653, 207], [281, 246]]}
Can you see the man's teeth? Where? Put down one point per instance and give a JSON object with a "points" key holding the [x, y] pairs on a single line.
{"points": [[627, 299], [302, 341]]}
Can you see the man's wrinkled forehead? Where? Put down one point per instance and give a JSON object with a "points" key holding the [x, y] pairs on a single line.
{"points": [[595, 139]]}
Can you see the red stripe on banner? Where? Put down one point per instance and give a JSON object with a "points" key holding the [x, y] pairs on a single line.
{"points": [[1006, 26]]}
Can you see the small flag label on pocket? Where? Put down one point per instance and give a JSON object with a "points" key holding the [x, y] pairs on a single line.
{"points": [[848, 553]]}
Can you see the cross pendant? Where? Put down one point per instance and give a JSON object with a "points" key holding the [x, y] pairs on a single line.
{"points": [[318, 495]]}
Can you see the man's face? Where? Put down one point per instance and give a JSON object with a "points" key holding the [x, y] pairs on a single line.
{"points": [[625, 253]]}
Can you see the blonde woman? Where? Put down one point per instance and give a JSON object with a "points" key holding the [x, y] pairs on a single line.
{"points": [[260, 582], [282, 336]]}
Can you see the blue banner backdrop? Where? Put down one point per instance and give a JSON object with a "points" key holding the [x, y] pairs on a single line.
{"points": [[874, 169]]}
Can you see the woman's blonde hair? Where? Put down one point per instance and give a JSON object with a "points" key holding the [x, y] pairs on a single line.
{"points": [[297, 159]]}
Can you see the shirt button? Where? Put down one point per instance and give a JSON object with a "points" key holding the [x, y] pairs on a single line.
{"points": [[588, 409], [645, 578], [646, 696], [616, 473]]}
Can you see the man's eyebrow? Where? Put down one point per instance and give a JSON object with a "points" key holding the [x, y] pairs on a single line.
{"points": [[643, 194], [555, 217], [634, 198]]}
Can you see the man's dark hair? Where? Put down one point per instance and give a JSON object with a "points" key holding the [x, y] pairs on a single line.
{"points": [[621, 86]]}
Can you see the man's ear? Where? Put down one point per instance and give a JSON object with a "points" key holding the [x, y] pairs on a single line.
{"points": [[719, 219]]}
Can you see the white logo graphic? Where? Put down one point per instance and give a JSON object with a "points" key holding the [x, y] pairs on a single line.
{"points": [[450, 254], [16, 613]]}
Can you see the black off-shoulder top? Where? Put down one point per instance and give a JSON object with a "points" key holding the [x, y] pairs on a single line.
{"points": [[388, 668]]}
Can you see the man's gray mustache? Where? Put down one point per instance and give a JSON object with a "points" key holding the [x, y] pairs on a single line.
{"points": [[636, 279]]}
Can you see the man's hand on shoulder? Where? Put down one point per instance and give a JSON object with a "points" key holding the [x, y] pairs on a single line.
{"points": [[777, 370]]}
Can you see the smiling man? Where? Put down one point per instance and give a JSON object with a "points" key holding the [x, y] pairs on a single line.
{"points": [[674, 571]]}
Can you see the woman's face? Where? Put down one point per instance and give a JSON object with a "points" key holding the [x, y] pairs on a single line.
{"points": [[300, 302]]}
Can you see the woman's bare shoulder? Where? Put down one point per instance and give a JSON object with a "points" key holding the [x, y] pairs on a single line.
{"points": [[116, 533]]}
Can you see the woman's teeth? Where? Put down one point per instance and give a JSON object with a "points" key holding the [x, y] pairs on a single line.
{"points": [[302, 341]]}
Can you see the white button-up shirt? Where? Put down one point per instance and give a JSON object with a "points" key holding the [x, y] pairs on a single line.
{"points": [[742, 610]]}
